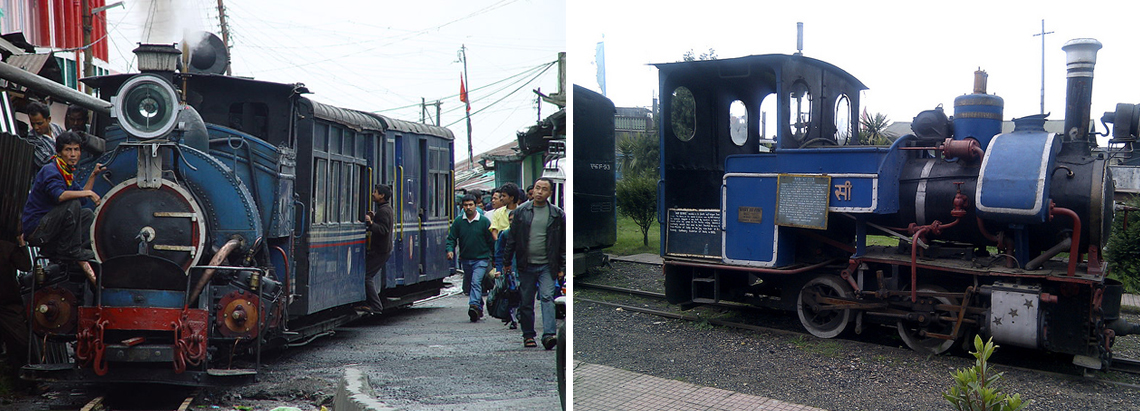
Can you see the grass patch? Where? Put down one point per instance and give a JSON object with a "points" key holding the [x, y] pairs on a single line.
{"points": [[629, 240], [882, 240], [827, 348]]}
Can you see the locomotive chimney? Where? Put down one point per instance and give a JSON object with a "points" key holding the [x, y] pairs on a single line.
{"points": [[1080, 58], [157, 57]]}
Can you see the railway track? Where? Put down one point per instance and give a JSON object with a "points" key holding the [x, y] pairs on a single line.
{"points": [[165, 399], [1124, 365]]}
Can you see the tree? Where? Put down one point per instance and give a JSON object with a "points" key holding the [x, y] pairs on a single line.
{"points": [[873, 130], [639, 153], [690, 56], [1123, 251], [637, 199]]}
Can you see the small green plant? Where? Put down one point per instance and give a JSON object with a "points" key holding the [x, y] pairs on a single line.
{"points": [[975, 388], [703, 325]]}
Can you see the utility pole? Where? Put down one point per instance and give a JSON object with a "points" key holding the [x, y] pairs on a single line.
{"points": [[437, 112], [88, 27], [225, 31], [1042, 34], [424, 116], [463, 58], [88, 70]]}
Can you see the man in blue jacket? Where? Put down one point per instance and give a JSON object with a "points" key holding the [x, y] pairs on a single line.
{"points": [[53, 218], [538, 245]]}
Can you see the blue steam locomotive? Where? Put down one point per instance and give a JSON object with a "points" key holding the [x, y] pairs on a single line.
{"points": [[974, 218], [231, 223]]}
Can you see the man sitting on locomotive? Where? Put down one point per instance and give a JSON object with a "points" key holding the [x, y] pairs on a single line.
{"points": [[53, 218]]}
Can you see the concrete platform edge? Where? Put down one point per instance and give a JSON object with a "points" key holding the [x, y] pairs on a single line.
{"points": [[354, 393]]}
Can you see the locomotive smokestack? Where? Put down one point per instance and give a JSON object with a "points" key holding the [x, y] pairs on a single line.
{"points": [[158, 57], [1080, 58]]}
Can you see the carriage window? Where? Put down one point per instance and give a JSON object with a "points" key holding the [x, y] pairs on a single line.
{"points": [[319, 190], [390, 163], [684, 113], [334, 194], [800, 109], [767, 120], [346, 179], [842, 119], [335, 134], [738, 122], [361, 143], [321, 137]]}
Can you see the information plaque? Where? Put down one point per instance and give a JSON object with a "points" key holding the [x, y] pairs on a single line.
{"points": [[694, 233], [801, 201]]}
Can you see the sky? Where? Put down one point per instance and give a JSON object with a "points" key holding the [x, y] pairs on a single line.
{"points": [[912, 57], [380, 56]]}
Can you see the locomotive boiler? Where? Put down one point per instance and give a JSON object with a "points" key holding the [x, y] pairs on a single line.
{"points": [[977, 222], [231, 223]]}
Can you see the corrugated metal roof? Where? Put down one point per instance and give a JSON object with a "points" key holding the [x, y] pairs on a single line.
{"points": [[413, 127], [356, 120], [31, 62]]}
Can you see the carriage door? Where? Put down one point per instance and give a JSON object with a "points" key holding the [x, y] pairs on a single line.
{"points": [[400, 187], [425, 202]]}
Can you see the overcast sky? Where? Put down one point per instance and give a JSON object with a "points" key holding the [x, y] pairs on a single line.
{"points": [[912, 56], [380, 55]]}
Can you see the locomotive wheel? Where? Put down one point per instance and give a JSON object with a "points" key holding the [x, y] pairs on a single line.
{"points": [[819, 321], [912, 333]]}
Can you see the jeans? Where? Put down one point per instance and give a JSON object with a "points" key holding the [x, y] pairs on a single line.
{"points": [[536, 279], [477, 268]]}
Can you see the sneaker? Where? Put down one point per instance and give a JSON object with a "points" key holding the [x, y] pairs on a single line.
{"points": [[474, 312], [514, 325], [548, 342], [529, 343]]}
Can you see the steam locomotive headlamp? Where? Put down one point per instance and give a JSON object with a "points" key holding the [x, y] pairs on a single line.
{"points": [[146, 106]]}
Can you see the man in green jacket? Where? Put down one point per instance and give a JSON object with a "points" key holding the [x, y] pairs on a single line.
{"points": [[472, 233]]}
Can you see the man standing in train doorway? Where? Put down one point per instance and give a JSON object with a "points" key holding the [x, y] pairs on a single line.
{"points": [[538, 245], [472, 233], [379, 225]]}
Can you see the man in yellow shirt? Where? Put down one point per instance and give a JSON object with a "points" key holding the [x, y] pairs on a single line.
{"points": [[509, 197]]}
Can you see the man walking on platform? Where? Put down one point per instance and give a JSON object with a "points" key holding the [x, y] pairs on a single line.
{"points": [[538, 244], [472, 233]]}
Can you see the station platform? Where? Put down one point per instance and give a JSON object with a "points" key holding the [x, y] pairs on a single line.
{"points": [[602, 388]]}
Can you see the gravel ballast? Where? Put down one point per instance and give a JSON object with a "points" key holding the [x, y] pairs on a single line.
{"points": [[873, 371]]}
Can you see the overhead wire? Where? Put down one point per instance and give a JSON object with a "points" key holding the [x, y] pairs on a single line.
{"points": [[508, 95]]}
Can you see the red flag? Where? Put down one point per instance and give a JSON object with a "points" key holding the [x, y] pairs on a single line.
{"points": [[462, 90]]}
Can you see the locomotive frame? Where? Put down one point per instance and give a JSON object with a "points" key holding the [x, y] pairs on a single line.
{"points": [[788, 229]]}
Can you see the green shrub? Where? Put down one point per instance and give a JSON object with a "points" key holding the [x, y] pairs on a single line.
{"points": [[637, 199], [975, 388], [1123, 251]]}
